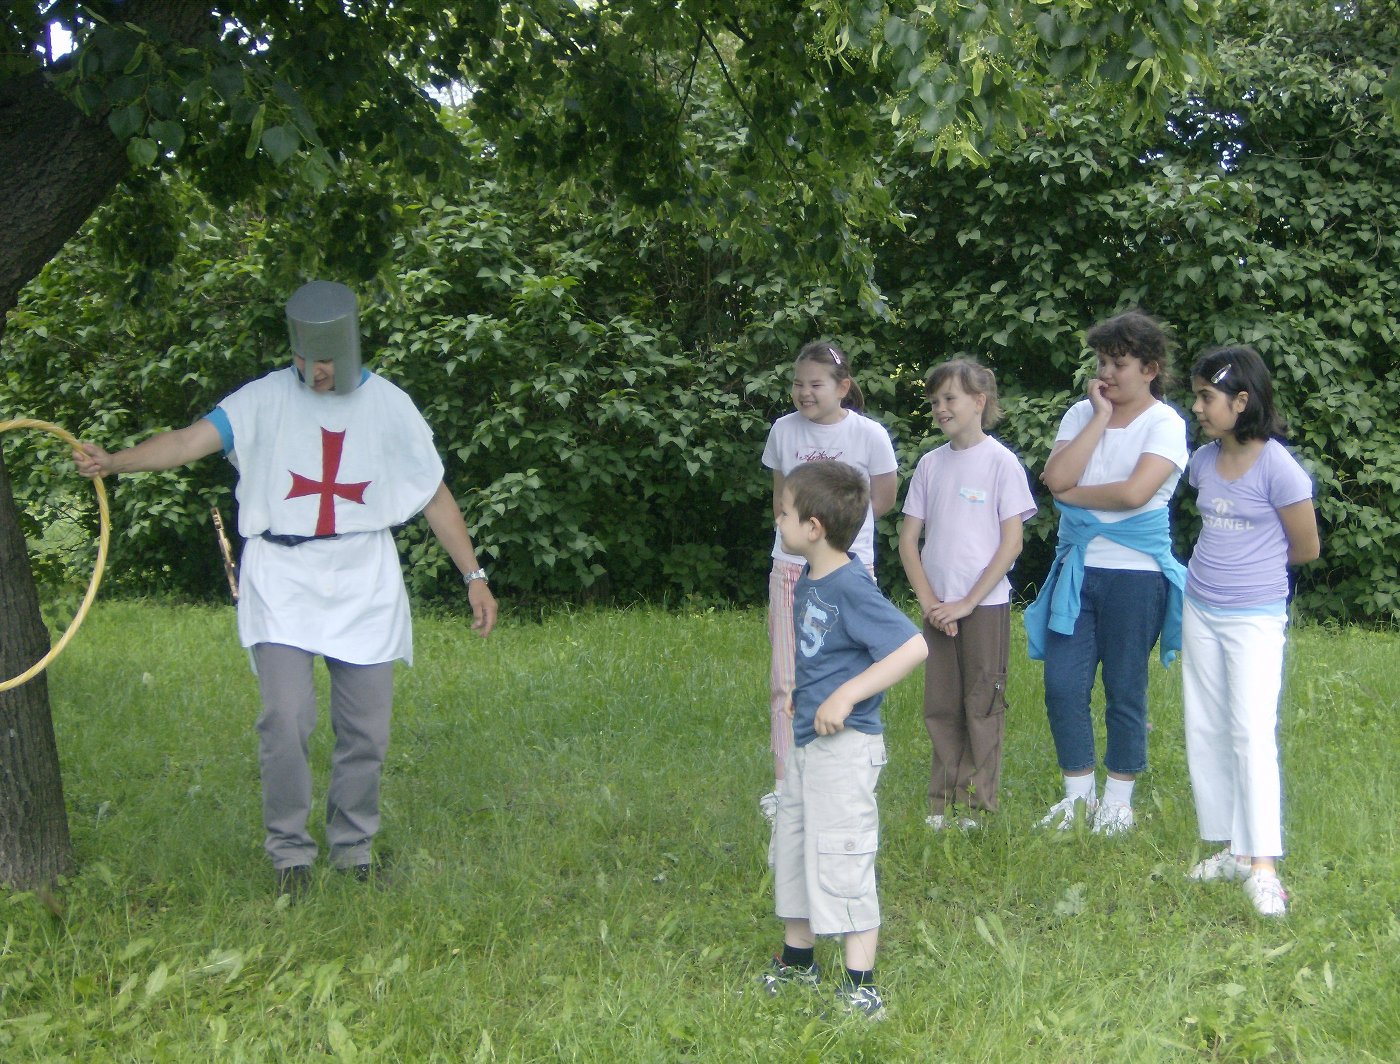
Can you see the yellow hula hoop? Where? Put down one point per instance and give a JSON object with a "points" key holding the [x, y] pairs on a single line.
{"points": [[104, 526]]}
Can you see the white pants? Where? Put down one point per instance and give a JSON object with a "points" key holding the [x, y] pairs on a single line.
{"points": [[827, 832], [1231, 676]]}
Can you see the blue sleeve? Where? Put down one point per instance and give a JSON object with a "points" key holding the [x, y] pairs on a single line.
{"points": [[220, 421], [883, 626]]}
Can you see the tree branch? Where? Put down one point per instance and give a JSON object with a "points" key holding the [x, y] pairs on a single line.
{"points": [[58, 165]]}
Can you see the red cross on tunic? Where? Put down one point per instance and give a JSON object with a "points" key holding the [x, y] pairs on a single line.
{"points": [[332, 444]]}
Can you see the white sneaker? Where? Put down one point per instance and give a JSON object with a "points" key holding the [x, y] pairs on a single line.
{"points": [[1113, 818], [1224, 865], [941, 822], [1267, 893], [1063, 813], [768, 806]]}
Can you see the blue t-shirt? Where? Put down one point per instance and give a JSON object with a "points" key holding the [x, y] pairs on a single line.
{"points": [[843, 625]]}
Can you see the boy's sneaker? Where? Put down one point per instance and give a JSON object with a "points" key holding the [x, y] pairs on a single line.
{"points": [[861, 1001], [941, 822], [1113, 818], [1267, 893], [768, 806], [1224, 865], [1064, 812], [780, 975]]}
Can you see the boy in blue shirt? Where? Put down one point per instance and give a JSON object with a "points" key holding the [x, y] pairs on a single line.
{"points": [[852, 645]]}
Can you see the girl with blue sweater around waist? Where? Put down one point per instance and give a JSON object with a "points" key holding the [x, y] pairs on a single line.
{"points": [[1257, 519], [1114, 587]]}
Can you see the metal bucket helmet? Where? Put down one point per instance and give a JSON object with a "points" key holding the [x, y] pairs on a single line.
{"points": [[324, 323]]}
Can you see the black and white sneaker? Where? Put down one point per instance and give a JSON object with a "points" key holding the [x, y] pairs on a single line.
{"points": [[863, 1001], [780, 975]]}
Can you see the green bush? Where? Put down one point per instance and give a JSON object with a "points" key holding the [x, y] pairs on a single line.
{"points": [[601, 380]]}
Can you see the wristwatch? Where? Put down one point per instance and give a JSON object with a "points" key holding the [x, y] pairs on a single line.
{"points": [[473, 576]]}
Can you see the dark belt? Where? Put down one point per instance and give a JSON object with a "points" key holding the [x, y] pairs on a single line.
{"points": [[293, 541]]}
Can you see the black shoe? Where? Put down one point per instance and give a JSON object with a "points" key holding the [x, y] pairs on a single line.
{"points": [[294, 881], [376, 874]]}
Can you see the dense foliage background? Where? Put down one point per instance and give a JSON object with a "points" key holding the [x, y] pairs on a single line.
{"points": [[601, 374]]}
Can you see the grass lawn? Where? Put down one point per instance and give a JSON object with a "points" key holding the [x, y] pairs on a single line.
{"points": [[569, 808]]}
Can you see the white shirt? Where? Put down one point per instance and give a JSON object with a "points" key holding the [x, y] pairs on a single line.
{"points": [[1157, 430], [855, 439]]}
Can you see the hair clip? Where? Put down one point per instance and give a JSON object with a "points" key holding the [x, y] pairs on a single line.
{"points": [[835, 356], [1223, 372]]}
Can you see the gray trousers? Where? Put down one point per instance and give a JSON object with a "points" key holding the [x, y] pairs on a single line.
{"points": [[361, 701]]}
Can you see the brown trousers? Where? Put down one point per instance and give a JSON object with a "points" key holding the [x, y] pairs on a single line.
{"points": [[965, 708]]}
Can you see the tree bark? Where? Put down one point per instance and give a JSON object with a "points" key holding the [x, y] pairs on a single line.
{"points": [[34, 846], [57, 166]]}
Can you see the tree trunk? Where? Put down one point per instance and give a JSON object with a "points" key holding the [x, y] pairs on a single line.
{"points": [[34, 846], [57, 166]]}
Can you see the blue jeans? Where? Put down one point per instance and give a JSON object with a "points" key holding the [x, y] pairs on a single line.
{"points": [[1120, 617]]}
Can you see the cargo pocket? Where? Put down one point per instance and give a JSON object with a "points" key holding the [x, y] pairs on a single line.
{"points": [[988, 696], [878, 757], [846, 862]]}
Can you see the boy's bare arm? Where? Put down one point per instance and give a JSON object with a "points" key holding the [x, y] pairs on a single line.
{"points": [[880, 676], [445, 519], [164, 450]]}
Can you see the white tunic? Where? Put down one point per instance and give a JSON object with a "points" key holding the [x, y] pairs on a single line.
{"points": [[310, 464]]}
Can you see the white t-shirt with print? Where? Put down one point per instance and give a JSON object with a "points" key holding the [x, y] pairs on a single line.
{"points": [[855, 439]]}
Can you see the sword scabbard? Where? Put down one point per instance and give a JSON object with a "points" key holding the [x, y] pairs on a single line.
{"points": [[230, 567]]}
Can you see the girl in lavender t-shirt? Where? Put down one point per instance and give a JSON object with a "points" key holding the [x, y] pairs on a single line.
{"points": [[1257, 519]]}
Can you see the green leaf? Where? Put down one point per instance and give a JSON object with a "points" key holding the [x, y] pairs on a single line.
{"points": [[227, 81], [169, 135], [1142, 46], [895, 29], [142, 152], [281, 143], [315, 172], [126, 122], [255, 132]]}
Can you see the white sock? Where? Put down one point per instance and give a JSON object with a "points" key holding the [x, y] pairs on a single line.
{"points": [[1118, 792], [1077, 787]]}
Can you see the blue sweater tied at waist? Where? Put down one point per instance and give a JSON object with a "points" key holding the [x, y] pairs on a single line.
{"points": [[1056, 608]]}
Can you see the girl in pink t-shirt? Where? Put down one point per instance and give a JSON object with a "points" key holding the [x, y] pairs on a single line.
{"points": [[1257, 519], [968, 501]]}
